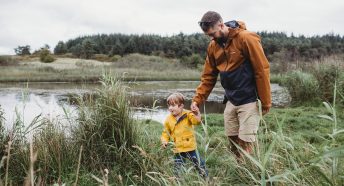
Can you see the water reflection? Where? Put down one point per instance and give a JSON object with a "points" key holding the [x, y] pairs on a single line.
{"points": [[144, 104], [24, 107], [55, 100]]}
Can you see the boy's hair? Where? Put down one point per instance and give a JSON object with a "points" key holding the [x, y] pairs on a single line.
{"points": [[175, 98], [209, 19]]}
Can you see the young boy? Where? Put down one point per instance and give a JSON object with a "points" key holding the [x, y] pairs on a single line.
{"points": [[179, 127]]}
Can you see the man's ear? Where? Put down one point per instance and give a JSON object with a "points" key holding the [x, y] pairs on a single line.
{"points": [[222, 25]]}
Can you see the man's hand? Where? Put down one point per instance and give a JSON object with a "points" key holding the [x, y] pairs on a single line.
{"points": [[195, 110], [164, 144], [265, 110], [194, 107]]}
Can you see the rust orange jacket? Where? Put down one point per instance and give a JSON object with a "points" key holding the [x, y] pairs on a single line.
{"points": [[240, 45]]}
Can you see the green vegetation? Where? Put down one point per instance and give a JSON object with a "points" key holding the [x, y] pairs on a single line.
{"points": [[46, 56], [134, 67], [297, 146], [23, 50], [7, 60], [312, 84], [279, 47], [300, 145], [60, 48]]}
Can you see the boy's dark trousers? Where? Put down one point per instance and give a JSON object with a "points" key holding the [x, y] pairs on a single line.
{"points": [[179, 160]]}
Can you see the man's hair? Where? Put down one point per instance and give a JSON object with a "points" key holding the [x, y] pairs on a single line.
{"points": [[209, 19], [175, 98]]}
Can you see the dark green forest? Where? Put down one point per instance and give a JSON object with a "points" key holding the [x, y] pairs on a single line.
{"points": [[277, 45]]}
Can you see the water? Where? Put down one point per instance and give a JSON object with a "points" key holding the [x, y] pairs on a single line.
{"points": [[52, 100]]}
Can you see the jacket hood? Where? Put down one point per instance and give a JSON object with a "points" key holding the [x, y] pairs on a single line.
{"points": [[236, 24], [234, 27]]}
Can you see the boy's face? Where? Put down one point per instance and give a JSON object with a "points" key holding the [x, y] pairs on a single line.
{"points": [[176, 109]]}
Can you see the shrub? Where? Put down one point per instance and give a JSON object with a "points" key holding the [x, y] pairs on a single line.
{"points": [[303, 87], [45, 56], [115, 58], [326, 76]]}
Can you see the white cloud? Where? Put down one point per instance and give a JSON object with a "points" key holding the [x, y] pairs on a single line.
{"points": [[37, 22]]}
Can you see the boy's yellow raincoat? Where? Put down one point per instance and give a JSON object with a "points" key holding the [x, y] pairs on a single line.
{"points": [[181, 132]]}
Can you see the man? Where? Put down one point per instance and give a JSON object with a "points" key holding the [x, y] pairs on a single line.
{"points": [[237, 55]]}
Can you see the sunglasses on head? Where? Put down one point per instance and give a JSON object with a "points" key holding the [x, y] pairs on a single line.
{"points": [[205, 23]]}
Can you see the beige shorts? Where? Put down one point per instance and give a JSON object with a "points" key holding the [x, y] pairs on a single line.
{"points": [[242, 121]]}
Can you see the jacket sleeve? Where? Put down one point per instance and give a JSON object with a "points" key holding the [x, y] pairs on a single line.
{"points": [[261, 67], [208, 79], [192, 119], [165, 136]]}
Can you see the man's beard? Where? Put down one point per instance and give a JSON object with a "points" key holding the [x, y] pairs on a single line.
{"points": [[221, 40]]}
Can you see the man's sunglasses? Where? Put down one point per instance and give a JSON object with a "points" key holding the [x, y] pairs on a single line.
{"points": [[205, 23]]}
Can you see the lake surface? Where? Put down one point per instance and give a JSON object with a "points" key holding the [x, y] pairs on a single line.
{"points": [[53, 100]]}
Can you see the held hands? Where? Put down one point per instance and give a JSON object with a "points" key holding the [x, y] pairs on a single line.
{"points": [[195, 110]]}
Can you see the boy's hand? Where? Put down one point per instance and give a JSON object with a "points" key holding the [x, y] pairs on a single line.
{"points": [[164, 144]]}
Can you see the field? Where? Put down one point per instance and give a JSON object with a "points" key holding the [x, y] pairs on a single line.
{"points": [[297, 146], [132, 67]]}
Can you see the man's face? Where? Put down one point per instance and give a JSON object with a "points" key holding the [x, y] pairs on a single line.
{"points": [[217, 33]]}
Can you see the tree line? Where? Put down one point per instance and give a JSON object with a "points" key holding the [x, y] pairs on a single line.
{"points": [[277, 45]]}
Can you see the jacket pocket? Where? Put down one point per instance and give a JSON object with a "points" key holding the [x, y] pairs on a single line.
{"points": [[189, 141]]}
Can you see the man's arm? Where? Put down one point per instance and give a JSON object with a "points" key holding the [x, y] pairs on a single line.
{"points": [[208, 81], [261, 67]]}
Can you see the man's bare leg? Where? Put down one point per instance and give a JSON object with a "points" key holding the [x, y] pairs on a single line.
{"points": [[246, 146]]}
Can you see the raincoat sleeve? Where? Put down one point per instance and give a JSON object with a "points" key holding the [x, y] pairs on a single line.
{"points": [[192, 118], [208, 79], [165, 136]]}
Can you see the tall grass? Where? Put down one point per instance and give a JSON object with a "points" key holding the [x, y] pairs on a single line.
{"points": [[313, 85], [303, 87], [49, 153], [106, 146], [106, 128], [281, 158]]}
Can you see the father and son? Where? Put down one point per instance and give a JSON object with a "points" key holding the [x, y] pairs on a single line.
{"points": [[237, 55]]}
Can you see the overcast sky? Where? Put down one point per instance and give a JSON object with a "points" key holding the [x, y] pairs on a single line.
{"points": [[39, 22]]}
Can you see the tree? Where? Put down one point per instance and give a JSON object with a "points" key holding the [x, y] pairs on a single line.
{"points": [[116, 49], [76, 50], [22, 50], [130, 46], [60, 48], [87, 49]]}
